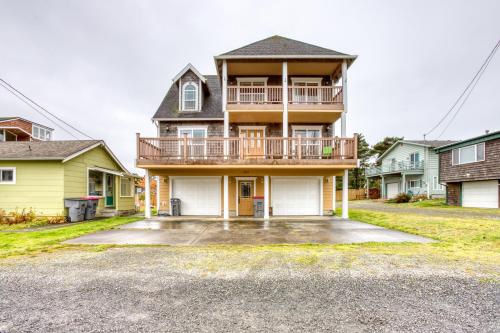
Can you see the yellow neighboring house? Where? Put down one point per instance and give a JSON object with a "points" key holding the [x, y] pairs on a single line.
{"points": [[40, 175], [262, 128]]}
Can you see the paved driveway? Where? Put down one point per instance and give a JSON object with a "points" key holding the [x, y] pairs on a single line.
{"points": [[166, 231]]}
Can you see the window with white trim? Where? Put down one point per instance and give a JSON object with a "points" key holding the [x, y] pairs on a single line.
{"points": [[309, 146], [41, 133], [7, 176], [414, 183], [196, 143], [252, 89], [189, 97], [2, 135], [468, 154], [435, 184], [126, 187], [415, 160]]}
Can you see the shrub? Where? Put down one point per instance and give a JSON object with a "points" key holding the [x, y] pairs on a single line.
{"points": [[3, 216], [418, 198], [25, 216], [400, 198], [58, 219]]}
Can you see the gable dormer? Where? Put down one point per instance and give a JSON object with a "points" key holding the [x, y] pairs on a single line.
{"points": [[191, 84]]}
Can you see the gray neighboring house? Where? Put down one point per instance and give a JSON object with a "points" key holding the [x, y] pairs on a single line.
{"points": [[409, 166]]}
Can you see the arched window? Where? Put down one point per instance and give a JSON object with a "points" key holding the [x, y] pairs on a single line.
{"points": [[189, 97]]}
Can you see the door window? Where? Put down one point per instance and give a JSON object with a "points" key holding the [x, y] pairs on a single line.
{"points": [[306, 91], [245, 190]]}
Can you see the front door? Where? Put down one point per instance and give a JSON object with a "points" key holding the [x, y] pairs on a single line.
{"points": [[110, 190], [253, 145], [245, 198]]}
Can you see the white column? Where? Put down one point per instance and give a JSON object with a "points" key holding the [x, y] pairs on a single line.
{"points": [[343, 124], [403, 180], [224, 106], [147, 195], [334, 196], [284, 75], [382, 187], [345, 195], [226, 197], [266, 197], [158, 202]]}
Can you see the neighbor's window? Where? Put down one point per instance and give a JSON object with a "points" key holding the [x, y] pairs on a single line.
{"points": [[414, 183], [2, 135], [468, 154], [41, 133], [190, 97], [126, 187], [7, 175]]}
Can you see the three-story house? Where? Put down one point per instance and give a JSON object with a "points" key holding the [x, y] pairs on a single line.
{"points": [[262, 128]]}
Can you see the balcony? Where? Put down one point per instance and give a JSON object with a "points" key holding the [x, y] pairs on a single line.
{"points": [[398, 167], [246, 151], [274, 95]]}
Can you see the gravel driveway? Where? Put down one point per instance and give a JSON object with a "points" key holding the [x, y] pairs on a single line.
{"points": [[164, 289]]}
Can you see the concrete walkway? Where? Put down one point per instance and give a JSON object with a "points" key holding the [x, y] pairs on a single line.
{"points": [[167, 231]]}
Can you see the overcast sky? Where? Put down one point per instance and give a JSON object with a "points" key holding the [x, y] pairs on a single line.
{"points": [[105, 66]]}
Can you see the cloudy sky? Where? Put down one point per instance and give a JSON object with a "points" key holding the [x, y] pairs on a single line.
{"points": [[105, 66]]}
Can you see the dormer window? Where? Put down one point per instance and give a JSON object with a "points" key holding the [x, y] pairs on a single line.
{"points": [[189, 97], [41, 133]]}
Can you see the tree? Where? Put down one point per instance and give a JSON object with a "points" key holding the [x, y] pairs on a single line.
{"points": [[381, 147], [357, 175]]}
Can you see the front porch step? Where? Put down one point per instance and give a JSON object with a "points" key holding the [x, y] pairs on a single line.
{"points": [[108, 212]]}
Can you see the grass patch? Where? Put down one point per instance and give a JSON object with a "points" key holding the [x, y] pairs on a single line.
{"points": [[16, 243], [476, 239], [441, 204]]}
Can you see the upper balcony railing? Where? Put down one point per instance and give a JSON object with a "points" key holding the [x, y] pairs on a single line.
{"points": [[177, 150], [274, 95], [395, 168]]}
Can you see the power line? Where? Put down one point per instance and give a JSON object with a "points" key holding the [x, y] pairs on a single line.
{"points": [[478, 73], [45, 110], [38, 111], [466, 97]]}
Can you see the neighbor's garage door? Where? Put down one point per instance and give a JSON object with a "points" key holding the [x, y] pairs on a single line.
{"points": [[482, 194], [392, 190], [296, 196], [199, 195]]}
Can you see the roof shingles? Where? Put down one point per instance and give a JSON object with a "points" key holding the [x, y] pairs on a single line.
{"points": [[278, 45], [43, 150]]}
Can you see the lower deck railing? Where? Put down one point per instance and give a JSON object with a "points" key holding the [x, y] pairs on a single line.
{"points": [[242, 148]]}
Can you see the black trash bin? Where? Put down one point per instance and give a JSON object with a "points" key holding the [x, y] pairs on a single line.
{"points": [[175, 204], [76, 208]]}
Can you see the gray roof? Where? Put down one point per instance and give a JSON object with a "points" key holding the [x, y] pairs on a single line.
{"points": [[277, 46], [211, 107], [43, 150], [7, 118], [431, 143]]}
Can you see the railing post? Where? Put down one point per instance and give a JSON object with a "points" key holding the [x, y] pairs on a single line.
{"points": [[138, 144], [355, 152], [185, 140], [299, 148], [242, 153]]}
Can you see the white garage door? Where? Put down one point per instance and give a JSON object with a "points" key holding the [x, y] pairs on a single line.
{"points": [[199, 195], [296, 196], [392, 190], [482, 194]]}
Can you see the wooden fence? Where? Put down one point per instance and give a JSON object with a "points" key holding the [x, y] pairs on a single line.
{"points": [[354, 194]]}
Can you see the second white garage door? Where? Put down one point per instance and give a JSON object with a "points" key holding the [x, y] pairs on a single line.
{"points": [[199, 195], [483, 194], [392, 190], [296, 196]]}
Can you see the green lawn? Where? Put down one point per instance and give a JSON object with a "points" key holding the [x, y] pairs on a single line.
{"points": [[473, 242], [22, 243], [441, 204]]}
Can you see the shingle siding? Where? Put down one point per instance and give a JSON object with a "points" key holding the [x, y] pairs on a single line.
{"points": [[484, 170]]}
